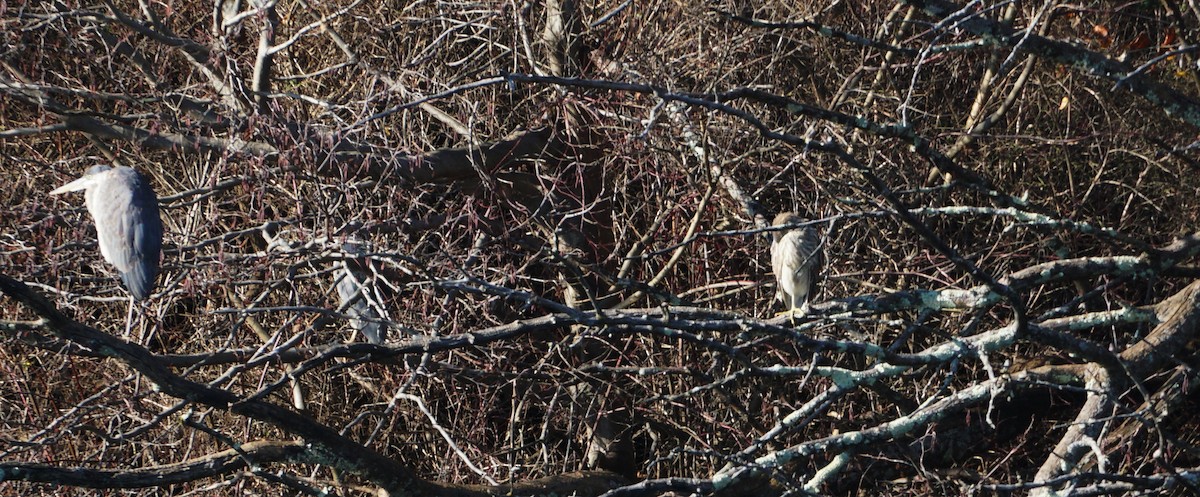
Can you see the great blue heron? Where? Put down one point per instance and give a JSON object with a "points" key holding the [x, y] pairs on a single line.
{"points": [[360, 296], [795, 259], [125, 210]]}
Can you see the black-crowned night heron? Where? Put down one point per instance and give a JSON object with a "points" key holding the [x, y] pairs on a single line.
{"points": [[796, 260], [125, 209], [359, 295]]}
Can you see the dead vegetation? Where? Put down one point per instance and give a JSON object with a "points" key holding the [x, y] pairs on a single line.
{"points": [[564, 207]]}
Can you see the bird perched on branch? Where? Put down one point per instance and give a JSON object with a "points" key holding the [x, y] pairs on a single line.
{"points": [[125, 209], [796, 260], [360, 297]]}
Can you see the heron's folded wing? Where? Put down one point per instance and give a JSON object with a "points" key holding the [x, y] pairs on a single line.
{"points": [[129, 229]]}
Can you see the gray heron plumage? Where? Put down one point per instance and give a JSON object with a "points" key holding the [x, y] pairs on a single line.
{"points": [[796, 260], [125, 209], [360, 297]]}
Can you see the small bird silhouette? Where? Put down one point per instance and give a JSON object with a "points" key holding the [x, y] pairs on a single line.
{"points": [[360, 297]]}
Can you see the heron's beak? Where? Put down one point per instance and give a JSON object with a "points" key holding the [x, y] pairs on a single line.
{"points": [[74, 186]]}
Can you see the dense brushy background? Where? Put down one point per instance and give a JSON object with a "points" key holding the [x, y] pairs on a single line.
{"points": [[1074, 146]]}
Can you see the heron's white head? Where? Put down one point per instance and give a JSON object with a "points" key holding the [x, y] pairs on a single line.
{"points": [[93, 175]]}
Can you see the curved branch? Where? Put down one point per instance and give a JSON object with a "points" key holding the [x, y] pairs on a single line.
{"points": [[1179, 318], [225, 462], [1170, 100], [325, 443]]}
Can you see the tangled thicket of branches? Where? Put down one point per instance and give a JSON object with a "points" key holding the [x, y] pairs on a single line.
{"points": [[561, 207]]}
